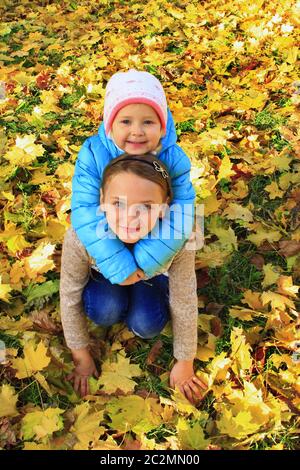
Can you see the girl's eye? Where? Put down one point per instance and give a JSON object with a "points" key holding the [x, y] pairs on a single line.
{"points": [[125, 121], [144, 207], [148, 122], [119, 204]]}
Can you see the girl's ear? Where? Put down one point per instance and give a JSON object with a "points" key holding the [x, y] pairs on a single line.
{"points": [[163, 208], [102, 201]]}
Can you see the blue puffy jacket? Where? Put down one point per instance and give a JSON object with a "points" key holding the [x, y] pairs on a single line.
{"points": [[115, 261]]}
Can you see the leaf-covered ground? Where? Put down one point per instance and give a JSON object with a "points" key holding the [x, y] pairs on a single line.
{"points": [[229, 70]]}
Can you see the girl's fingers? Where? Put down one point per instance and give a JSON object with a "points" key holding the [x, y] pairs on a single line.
{"points": [[199, 382], [188, 393], [195, 389], [83, 386], [76, 384]]}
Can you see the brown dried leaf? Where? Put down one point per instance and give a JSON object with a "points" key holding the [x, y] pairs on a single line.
{"points": [[42, 321], [289, 248], [258, 261], [154, 352]]}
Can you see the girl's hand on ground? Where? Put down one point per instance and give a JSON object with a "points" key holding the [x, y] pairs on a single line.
{"points": [[84, 368], [190, 386], [137, 276]]}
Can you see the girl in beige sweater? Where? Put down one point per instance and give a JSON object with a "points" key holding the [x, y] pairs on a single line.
{"points": [[135, 193]]}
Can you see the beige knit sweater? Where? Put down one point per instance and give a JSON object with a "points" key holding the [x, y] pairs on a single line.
{"points": [[75, 271]]}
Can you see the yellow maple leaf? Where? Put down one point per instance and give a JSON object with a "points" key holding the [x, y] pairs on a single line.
{"points": [[212, 256], [49, 102], [218, 368], [253, 300], [238, 426], [237, 211], [240, 351], [118, 375], [135, 413], [215, 139], [225, 170], [252, 99], [24, 151], [285, 286], [264, 235], [38, 262], [277, 300], [39, 424], [271, 275], [191, 435], [35, 359], [204, 353], [16, 243], [8, 400], [17, 272], [87, 425], [11, 325], [35, 446], [8, 195], [4, 291], [281, 162], [65, 171], [43, 382], [211, 204], [273, 190], [243, 313], [226, 237], [55, 230]]}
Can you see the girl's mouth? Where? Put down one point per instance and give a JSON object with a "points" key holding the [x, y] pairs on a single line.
{"points": [[137, 144], [131, 229]]}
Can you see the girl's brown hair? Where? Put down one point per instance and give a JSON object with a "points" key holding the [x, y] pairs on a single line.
{"points": [[146, 166]]}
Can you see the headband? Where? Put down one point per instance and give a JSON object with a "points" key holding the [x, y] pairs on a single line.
{"points": [[154, 164]]}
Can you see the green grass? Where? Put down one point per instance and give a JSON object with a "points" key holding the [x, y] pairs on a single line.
{"points": [[263, 206], [161, 432], [32, 392], [287, 438], [140, 355], [278, 142], [151, 382], [23, 216], [228, 281], [267, 120], [186, 126], [10, 341]]}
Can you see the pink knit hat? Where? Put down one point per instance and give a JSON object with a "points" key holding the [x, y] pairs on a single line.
{"points": [[130, 87]]}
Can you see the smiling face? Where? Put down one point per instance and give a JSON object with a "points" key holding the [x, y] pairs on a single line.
{"points": [[137, 129], [132, 214]]}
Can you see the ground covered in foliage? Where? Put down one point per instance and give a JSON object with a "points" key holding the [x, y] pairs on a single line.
{"points": [[229, 70]]}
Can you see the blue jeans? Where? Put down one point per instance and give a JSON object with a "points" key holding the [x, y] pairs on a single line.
{"points": [[143, 306]]}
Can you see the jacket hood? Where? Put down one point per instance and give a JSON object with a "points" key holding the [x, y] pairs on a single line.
{"points": [[167, 141]]}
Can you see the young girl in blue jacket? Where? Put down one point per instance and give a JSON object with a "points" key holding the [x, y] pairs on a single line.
{"points": [[144, 306], [136, 120]]}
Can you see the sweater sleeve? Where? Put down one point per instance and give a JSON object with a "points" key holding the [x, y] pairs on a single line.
{"points": [[170, 233], [111, 256], [184, 304], [74, 277]]}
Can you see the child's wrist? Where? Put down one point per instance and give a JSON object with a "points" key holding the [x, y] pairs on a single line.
{"points": [[82, 353], [185, 361]]}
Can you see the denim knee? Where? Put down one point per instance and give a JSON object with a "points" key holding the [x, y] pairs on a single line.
{"points": [[104, 310], [145, 327]]}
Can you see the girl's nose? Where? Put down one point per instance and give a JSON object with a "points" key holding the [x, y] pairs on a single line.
{"points": [[137, 129], [133, 213]]}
